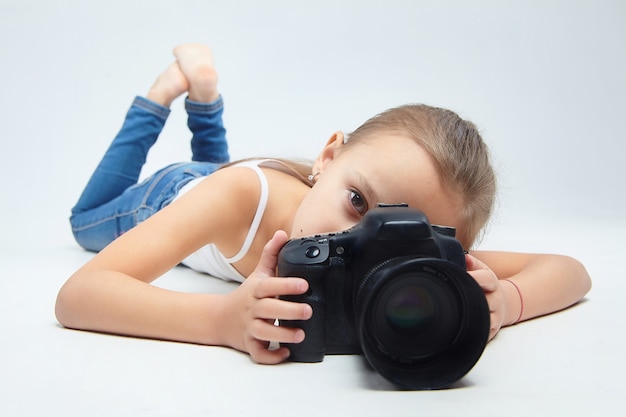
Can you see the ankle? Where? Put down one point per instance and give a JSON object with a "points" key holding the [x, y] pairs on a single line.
{"points": [[203, 85], [160, 97], [169, 85]]}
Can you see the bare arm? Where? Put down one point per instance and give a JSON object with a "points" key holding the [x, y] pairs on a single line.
{"points": [[112, 292], [113, 302], [547, 283]]}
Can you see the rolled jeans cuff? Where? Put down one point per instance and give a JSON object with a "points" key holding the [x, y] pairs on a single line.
{"points": [[152, 107], [204, 108]]}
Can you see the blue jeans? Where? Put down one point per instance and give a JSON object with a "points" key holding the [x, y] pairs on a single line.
{"points": [[113, 202]]}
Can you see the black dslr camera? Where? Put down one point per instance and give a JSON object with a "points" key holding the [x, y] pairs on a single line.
{"points": [[394, 288]]}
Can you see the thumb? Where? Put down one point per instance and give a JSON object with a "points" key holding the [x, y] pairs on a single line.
{"points": [[267, 264], [469, 262], [472, 264]]}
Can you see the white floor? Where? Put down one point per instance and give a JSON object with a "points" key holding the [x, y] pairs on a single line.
{"points": [[543, 80]]}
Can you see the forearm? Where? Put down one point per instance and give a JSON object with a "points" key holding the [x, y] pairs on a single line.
{"points": [[112, 302], [547, 283]]}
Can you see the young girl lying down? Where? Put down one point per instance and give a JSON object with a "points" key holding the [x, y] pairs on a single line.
{"points": [[231, 219]]}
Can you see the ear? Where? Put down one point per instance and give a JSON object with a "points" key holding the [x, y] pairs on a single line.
{"points": [[330, 151]]}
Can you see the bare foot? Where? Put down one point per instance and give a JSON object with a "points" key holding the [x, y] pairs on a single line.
{"points": [[170, 84], [196, 63]]}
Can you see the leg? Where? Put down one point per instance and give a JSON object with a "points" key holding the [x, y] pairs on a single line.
{"points": [[204, 104], [208, 142], [95, 228], [111, 200], [93, 217], [122, 163]]}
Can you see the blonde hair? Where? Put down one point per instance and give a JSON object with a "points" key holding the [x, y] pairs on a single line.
{"points": [[459, 152], [300, 169]]}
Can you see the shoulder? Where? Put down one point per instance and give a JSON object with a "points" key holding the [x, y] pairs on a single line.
{"points": [[221, 206], [231, 197], [229, 181], [251, 174]]}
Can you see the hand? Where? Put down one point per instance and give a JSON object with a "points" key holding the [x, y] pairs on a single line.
{"points": [[490, 284], [254, 306]]}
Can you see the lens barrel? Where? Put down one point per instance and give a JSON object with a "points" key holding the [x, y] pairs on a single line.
{"points": [[422, 323]]}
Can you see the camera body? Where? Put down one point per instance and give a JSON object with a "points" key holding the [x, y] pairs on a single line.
{"points": [[394, 288]]}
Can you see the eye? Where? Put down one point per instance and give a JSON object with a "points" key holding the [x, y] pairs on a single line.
{"points": [[358, 202]]}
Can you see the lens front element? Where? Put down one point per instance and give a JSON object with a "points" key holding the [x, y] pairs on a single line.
{"points": [[414, 316]]}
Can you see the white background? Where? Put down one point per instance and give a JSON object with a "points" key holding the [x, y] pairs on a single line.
{"points": [[543, 80]]}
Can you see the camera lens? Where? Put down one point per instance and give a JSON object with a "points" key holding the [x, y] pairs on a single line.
{"points": [[414, 315], [409, 310], [421, 323]]}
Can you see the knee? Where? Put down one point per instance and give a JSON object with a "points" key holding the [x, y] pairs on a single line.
{"points": [[87, 238]]}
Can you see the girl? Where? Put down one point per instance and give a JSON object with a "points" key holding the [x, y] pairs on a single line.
{"points": [[231, 220]]}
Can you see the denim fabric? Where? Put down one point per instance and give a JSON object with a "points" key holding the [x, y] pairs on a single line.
{"points": [[113, 202]]}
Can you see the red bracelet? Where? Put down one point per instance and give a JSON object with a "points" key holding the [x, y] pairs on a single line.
{"points": [[521, 300]]}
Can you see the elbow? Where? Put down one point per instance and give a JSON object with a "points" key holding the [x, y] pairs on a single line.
{"points": [[65, 305], [581, 280]]}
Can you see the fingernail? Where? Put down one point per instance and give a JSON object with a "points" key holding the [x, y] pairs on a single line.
{"points": [[307, 312], [299, 336], [302, 286]]}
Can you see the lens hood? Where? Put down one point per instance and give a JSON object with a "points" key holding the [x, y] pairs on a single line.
{"points": [[422, 323]]}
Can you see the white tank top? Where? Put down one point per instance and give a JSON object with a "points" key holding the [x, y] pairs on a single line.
{"points": [[209, 259]]}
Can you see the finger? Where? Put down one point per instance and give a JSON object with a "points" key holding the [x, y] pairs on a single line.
{"points": [[274, 287], [267, 263], [473, 264], [266, 330], [483, 277], [493, 328], [260, 354], [272, 308], [492, 334]]}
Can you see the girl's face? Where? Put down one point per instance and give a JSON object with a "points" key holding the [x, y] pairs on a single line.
{"points": [[388, 168]]}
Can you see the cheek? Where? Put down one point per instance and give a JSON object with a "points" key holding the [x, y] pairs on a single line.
{"points": [[314, 217], [306, 218], [323, 225], [311, 221]]}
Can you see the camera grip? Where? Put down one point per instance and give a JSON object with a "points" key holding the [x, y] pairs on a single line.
{"points": [[313, 347]]}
